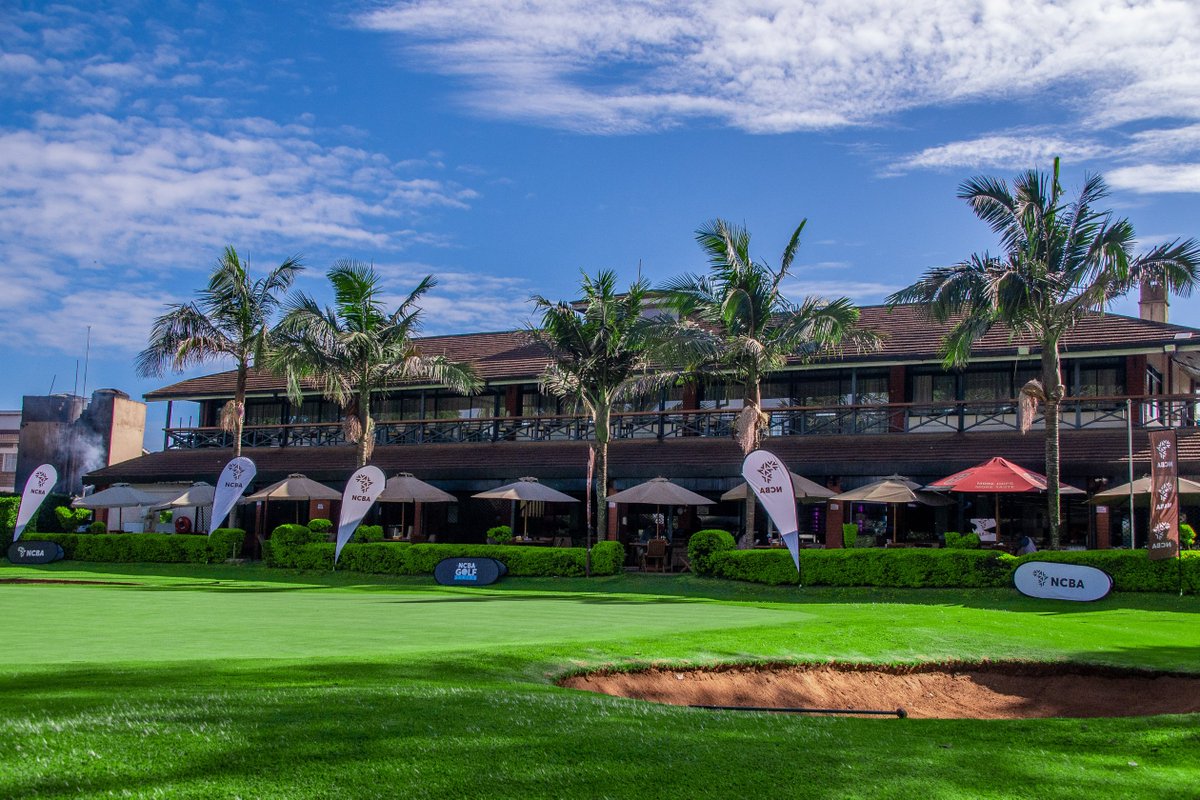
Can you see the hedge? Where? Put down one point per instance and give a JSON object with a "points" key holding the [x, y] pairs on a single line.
{"points": [[1132, 570], [150, 547], [401, 558], [915, 567]]}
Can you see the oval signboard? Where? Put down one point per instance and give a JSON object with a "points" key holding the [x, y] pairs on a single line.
{"points": [[469, 571], [33, 552], [1054, 581]]}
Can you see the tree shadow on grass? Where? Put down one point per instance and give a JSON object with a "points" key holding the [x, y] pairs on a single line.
{"points": [[442, 729]]}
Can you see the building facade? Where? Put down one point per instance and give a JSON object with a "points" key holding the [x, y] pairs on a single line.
{"points": [[842, 420]]}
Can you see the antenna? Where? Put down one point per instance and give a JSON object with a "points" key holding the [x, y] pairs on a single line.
{"points": [[87, 354], [75, 388], [53, 378]]}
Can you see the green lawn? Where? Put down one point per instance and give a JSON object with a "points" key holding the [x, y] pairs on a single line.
{"points": [[246, 682]]}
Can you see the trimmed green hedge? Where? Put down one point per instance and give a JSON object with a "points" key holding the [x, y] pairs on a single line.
{"points": [[400, 558], [962, 541], [46, 520], [705, 545], [149, 547], [915, 567], [295, 536], [1132, 570]]}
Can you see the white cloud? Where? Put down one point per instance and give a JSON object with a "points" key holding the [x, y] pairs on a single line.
{"points": [[771, 66], [1151, 178], [1002, 151], [861, 292], [462, 300]]}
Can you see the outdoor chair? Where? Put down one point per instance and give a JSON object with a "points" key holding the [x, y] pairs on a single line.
{"points": [[562, 541], [655, 556]]}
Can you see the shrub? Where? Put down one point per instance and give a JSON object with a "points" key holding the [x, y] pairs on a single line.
{"points": [[8, 516], [704, 545], [849, 533], [1187, 536], [365, 534], [295, 536], [501, 534], [148, 547], [226, 543], [962, 541], [914, 568], [1131, 570], [401, 558], [98, 527], [70, 519], [320, 525]]}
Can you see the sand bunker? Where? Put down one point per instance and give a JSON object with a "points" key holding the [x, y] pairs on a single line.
{"points": [[992, 691]]}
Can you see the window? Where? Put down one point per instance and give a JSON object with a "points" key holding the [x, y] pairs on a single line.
{"points": [[264, 413], [8, 462], [936, 387], [316, 410]]}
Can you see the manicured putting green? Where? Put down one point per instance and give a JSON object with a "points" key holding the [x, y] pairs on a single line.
{"points": [[181, 621]]}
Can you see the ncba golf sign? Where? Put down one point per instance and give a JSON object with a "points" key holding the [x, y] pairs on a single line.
{"points": [[34, 552], [1052, 581], [469, 571]]}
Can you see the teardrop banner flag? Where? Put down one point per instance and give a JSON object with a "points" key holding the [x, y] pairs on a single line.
{"points": [[40, 484], [361, 490], [772, 484], [237, 475], [1164, 495]]}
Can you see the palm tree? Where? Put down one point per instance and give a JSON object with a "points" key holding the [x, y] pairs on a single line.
{"points": [[230, 319], [1061, 261], [735, 323], [356, 347], [600, 352]]}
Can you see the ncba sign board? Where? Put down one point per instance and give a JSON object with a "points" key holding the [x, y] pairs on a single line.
{"points": [[1053, 581], [469, 571], [34, 552]]}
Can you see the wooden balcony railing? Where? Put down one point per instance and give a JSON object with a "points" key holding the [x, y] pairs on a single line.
{"points": [[1077, 413]]}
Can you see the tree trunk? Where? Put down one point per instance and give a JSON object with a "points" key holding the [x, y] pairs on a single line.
{"points": [[239, 400], [753, 399], [601, 478], [1052, 382], [364, 421]]}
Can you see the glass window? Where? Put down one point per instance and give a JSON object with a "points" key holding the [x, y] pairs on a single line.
{"points": [[1100, 378], [397, 406], [936, 387], [264, 413], [988, 385], [10, 463], [316, 410], [827, 390], [872, 388], [776, 393]]}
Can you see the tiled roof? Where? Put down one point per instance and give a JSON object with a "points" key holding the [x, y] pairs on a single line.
{"points": [[1091, 453], [907, 337]]}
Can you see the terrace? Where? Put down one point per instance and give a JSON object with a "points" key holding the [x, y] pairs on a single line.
{"points": [[961, 416]]}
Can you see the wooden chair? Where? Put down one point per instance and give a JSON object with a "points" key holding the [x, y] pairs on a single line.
{"points": [[655, 556]]}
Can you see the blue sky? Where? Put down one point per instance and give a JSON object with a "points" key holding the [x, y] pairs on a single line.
{"points": [[503, 146]]}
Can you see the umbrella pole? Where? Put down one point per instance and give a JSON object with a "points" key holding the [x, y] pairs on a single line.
{"points": [[997, 513], [512, 522]]}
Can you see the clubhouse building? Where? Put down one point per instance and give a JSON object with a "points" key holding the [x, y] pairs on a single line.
{"points": [[843, 420]]}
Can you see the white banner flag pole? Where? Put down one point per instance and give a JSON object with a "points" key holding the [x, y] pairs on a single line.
{"points": [[771, 482], [236, 476], [361, 490], [40, 484]]}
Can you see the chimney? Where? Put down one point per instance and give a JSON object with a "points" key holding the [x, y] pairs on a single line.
{"points": [[1153, 303]]}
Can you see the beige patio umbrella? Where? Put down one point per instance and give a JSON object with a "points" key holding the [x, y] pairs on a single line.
{"points": [[526, 490], [199, 496], [295, 487], [1141, 492], [407, 488], [806, 491], [659, 492], [893, 491], [119, 496]]}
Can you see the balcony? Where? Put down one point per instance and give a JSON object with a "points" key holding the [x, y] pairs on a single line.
{"points": [[1158, 411]]}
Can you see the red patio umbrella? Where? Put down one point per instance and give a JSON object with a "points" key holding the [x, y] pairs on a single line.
{"points": [[997, 476]]}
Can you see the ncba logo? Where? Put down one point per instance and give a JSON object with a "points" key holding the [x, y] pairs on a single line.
{"points": [[238, 470], [1163, 448], [1164, 491], [767, 470], [1061, 583], [22, 552], [466, 571], [42, 477], [364, 483]]}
